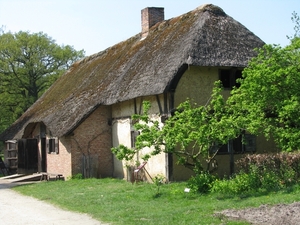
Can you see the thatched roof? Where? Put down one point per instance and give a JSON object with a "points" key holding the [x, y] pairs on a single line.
{"points": [[205, 36]]}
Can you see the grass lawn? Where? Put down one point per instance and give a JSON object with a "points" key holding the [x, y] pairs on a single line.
{"points": [[120, 202]]}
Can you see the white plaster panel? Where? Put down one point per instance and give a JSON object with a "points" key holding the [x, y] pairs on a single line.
{"points": [[196, 84], [120, 135]]}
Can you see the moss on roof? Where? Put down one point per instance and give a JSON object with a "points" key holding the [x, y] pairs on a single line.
{"points": [[205, 36]]}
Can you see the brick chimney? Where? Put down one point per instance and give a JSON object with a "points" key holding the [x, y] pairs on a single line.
{"points": [[151, 16]]}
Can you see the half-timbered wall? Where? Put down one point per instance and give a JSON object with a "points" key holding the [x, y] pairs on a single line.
{"points": [[197, 84], [122, 130]]}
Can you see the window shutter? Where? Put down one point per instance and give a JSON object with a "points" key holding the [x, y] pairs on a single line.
{"points": [[48, 145], [56, 146]]}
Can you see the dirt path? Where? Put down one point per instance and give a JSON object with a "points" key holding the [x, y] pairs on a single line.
{"points": [[281, 214], [16, 209]]}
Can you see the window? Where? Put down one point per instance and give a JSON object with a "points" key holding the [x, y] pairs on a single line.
{"points": [[134, 134], [242, 144], [236, 144], [52, 145], [228, 77], [250, 143]]}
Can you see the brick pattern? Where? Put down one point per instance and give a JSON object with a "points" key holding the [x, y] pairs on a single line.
{"points": [[151, 16], [61, 162], [91, 145]]}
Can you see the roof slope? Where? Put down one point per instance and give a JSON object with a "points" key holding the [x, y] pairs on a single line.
{"points": [[205, 36]]}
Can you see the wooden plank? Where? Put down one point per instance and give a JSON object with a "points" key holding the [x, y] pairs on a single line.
{"points": [[11, 176], [32, 177]]}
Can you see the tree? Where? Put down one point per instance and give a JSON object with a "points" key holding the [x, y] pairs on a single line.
{"points": [[194, 132], [268, 100], [29, 64], [296, 20]]}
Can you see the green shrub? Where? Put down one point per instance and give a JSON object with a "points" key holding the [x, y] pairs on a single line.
{"points": [[285, 167], [270, 181], [246, 182], [77, 176], [201, 182], [289, 176], [159, 180], [238, 184], [222, 186], [257, 172], [252, 181]]}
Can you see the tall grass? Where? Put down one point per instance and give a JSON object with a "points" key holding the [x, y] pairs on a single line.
{"points": [[119, 202]]}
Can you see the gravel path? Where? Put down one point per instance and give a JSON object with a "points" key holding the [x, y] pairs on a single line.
{"points": [[16, 209]]}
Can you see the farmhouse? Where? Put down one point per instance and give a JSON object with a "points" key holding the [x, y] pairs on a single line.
{"points": [[87, 111]]}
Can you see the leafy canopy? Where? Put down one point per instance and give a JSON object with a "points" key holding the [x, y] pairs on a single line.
{"points": [[29, 64], [268, 100]]}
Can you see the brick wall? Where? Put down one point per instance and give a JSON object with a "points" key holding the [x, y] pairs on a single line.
{"points": [[61, 162], [91, 144]]}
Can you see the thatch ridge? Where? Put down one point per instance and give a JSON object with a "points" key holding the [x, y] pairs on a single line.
{"points": [[205, 36]]}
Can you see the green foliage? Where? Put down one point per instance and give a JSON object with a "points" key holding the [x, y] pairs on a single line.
{"points": [[201, 182], [77, 176], [262, 172], [192, 133], [29, 64], [268, 100], [270, 181], [296, 20], [158, 180], [284, 166], [123, 152], [238, 184], [243, 183]]}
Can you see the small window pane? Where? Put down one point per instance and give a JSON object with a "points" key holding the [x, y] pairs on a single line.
{"points": [[52, 145], [225, 78]]}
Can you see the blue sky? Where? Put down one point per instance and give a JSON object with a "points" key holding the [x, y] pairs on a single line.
{"points": [[94, 25]]}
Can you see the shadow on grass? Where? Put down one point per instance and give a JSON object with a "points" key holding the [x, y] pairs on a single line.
{"points": [[157, 195]]}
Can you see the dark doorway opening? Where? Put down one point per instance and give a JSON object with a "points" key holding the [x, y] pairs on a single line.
{"points": [[44, 155], [27, 156]]}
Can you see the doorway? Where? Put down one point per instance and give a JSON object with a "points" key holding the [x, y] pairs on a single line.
{"points": [[28, 156], [43, 155]]}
